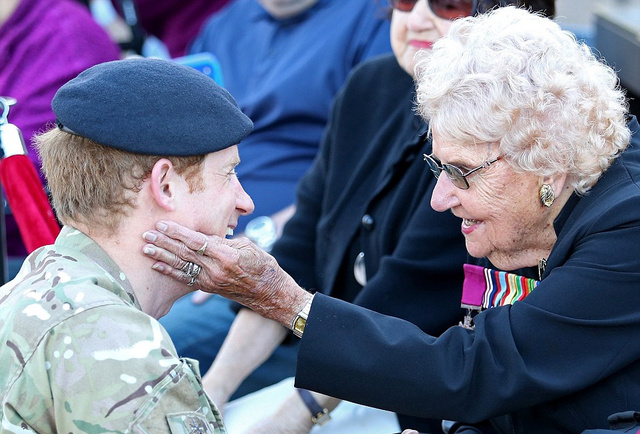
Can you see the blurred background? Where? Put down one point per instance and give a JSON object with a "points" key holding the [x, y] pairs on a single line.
{"points": [[612, 28]]}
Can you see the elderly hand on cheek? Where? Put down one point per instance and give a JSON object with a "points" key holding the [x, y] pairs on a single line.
{"points": [[234, 268]]}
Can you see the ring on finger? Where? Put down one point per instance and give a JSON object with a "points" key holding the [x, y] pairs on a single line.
{"points": [[202, 249], [191, 269], [187, 267], [192, 281]]}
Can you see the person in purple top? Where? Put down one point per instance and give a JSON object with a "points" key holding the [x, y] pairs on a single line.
{"points": [[44, 44]]}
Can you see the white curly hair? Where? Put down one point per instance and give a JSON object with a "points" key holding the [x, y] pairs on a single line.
{"points": [[516, 78]]}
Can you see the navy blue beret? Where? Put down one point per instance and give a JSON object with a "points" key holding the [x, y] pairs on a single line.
{"points": [[150, 106]]}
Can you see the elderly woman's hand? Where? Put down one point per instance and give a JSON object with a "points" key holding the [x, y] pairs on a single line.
{"points": [[236, 269]]}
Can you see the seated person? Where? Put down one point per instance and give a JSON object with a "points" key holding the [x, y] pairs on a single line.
{"points": [[82, 348]]}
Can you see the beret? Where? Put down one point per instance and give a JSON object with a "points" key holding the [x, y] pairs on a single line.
{"points": [[150, 106]]}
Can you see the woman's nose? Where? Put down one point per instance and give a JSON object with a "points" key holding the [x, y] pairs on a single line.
{"points": [[444, 194], [420, 17]]}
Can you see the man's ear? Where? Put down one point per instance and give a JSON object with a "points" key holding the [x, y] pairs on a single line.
{"points": [[163, 187]]}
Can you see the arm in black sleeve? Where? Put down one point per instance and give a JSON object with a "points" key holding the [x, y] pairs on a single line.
{"points": [[577, 328]]}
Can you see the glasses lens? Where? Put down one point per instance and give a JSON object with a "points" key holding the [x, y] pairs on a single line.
{"points": [[451, 9], [403, 5], [433, 165], [456, 176]]}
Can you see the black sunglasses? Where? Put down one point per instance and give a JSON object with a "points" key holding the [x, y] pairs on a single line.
{"points": [[455, 174], [446, 9]]}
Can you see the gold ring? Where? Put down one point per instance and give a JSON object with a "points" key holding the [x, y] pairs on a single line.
{"points": [[202, 249]]}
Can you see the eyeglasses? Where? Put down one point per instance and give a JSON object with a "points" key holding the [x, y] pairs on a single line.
{"points": [[445, 9], [455, 174]]}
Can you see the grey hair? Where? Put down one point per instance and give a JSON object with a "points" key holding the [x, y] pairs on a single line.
{"points": [[516, 78]]}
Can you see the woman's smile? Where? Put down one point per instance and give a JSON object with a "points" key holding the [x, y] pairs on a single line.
{"points": [[469, 225]]}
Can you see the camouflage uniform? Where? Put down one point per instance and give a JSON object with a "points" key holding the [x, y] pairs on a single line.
{"points": [[78, 355]]}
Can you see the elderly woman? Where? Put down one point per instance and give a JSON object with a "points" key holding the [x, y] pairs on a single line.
{"points": [[530, 131]]}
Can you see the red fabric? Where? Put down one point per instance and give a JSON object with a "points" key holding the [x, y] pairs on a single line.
{"points": [[28, 201]]}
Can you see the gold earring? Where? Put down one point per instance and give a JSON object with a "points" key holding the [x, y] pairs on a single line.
{"points": [[547, 196]]}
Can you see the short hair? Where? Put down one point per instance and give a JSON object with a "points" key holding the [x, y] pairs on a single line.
{"points": [[97, 185], [517, 79]]}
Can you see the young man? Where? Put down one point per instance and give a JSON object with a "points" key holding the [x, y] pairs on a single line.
{"points": [[82, 349]]}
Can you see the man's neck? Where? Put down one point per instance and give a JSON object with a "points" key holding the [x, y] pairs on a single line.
{"points": [[155, 293], [7, 8]]}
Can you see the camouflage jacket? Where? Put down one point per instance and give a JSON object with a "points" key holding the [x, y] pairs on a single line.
{"points": [[78, 355]]}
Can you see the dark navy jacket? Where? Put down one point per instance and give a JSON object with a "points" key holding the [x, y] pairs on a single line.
{"points": [[368, 191], [560, 361]]}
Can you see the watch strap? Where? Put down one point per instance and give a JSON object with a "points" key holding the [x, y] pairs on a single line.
{"points": [[319, 415]]}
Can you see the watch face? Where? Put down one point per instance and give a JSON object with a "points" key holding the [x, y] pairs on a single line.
{"points": [[299, 325]]}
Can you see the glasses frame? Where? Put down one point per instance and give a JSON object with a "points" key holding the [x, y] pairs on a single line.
{"points": [[395, 3], [454, 173]]}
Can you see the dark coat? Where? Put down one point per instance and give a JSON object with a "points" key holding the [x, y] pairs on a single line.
{"points": [[560, 361], [368, 191]]}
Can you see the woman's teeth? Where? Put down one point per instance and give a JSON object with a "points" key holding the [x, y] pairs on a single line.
{"points": [[230, 232]]}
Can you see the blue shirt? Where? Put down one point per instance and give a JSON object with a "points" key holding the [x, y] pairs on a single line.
{"points": [[284, 74]]}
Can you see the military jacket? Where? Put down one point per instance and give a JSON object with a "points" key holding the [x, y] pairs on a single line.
{"points": [[79, 355]]}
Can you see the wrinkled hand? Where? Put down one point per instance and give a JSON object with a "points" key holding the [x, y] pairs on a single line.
{"points": [[236, 269]]}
